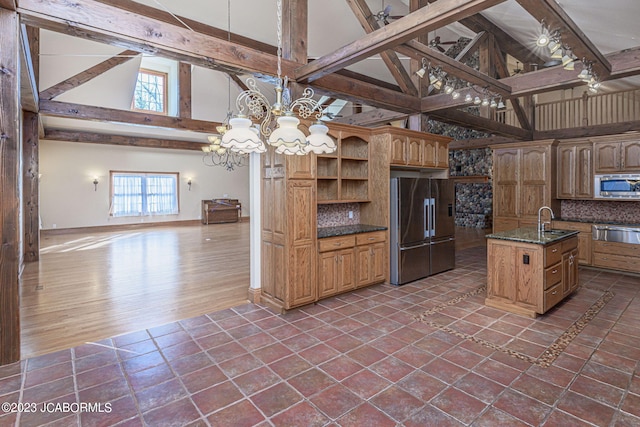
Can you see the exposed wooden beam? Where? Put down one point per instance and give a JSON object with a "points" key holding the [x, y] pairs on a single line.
{"points": [[199, 27], [472, 46], [460, 118], [8, 4], [110, 115], [184, 90], [9, 182], [70, 135], [587, 131], [449, 65], [30, 187], [624, 64], [88, 74], [508, 44], [470, 144], [106, 24], [28, 83], [33, 37], [557, 19], [363, 13], [428, 18], [371, 118], [356, 91], [502, 70]]}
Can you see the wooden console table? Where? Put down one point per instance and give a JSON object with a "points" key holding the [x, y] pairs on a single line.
{"points": [[217, 211]]}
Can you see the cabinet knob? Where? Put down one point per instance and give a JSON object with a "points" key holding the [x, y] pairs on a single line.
{"points": [[554, 292], [554, 271], [554, 250]]}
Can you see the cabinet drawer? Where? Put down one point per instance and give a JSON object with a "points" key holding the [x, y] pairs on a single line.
{"points": [[552, 254], [552, 275], [616, 262], [333, 243], [366, 238], [552, 296], [615, 248]]}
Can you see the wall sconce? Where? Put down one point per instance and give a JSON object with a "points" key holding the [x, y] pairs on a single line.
{"points": [[95, 184], [189, 183]]}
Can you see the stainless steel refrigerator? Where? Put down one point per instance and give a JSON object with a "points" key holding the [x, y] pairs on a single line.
{"points": [[422, 231]]}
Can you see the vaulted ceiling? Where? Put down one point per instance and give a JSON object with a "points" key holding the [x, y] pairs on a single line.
{"points": [[344, 50]]}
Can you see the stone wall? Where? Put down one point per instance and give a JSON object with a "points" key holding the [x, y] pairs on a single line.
{"points": [[474, 201]]}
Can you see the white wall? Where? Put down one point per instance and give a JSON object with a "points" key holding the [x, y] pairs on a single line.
{"points": [[68, 199]]}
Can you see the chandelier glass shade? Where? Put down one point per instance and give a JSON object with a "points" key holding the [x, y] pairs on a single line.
{"points": [[242, 137]]}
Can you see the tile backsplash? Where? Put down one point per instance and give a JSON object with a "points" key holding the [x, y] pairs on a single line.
{"points": [[338, 214], [605, 211]]}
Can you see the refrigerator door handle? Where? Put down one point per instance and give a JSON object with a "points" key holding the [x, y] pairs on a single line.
{"points": [[427, 217], [433, 217], [406, 248]]}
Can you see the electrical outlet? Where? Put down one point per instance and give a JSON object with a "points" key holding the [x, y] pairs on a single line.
{"points": [[54, 225], [350, 214], [525, 259]]}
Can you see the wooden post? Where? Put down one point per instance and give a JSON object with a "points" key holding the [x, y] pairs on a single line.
{"points": [[30, 187], [184, 90], [585, 108], [10, 198]]}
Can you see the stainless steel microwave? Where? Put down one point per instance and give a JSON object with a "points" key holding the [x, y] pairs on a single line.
{"points": [[618, 187]]}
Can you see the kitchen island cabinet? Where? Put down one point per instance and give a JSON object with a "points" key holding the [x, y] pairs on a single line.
{"points": [[530, 272]]}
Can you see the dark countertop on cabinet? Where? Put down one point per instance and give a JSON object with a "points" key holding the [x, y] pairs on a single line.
{"points": [[343, 230], [532, 235]]}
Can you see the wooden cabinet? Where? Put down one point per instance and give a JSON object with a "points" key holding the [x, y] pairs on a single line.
{"points": [[617, 256], [337, 265], [289, 232], [418, 149], [575, 170], [616, 156], [527, 278], [522, 183], [585, 238], [371, 257], [343, 177], [351, 261]]}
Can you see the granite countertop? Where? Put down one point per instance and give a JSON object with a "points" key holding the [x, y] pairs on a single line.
{"points": [[343, 230], [531, 235]]}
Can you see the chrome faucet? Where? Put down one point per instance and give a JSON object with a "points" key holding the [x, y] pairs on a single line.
{"points": [[541, 224]]}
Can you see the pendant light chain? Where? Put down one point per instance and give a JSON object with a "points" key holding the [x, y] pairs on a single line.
{"points": [[279, 34]]}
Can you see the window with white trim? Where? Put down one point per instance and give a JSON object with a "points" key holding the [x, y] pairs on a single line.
{"points": [[144, 193], [150, 94]]}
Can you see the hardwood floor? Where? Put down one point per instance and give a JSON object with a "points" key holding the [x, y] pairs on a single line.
{"points": [[87, 287], [90, 286]]}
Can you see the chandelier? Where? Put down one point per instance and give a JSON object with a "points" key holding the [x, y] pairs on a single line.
{"points": [[217, 155], [245, 137]]}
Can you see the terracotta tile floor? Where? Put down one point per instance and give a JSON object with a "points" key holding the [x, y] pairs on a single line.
{"points": [[358, 359]]}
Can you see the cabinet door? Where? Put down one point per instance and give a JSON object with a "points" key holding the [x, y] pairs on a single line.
{"points": [[414, 151], [506, 167], [327, 274], [398, 150], [584, 172], [631, 156], [430, 154], [364, 265], [569, 272], [607, 157], [442, 155], [535, 188], [346, 270], [566, 172], [584, 248], [378, 262]]}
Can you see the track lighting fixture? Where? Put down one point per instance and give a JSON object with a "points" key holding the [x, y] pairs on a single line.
{"points": [[455, 94], [468, 98], [543, 38], [422, 71]]}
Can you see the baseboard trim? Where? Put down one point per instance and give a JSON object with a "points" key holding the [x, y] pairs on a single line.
{"points": [[254, 295]]}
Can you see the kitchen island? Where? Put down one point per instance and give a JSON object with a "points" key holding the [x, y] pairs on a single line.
{"points": [[529, 272]]}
